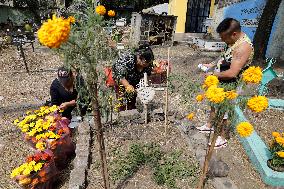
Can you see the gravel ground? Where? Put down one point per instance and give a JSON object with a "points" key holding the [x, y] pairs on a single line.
{"points": [[122, 136], [18, 89], [242, 172], [267, 122]]}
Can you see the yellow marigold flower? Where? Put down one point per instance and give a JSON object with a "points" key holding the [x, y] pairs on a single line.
{"points": [[190, 116], [101, 10], [245, 129], [215, 94], [38, 167], [25, 181], [280, 141], [71, 19], [231, 95], [111, 13], [280, 154], [210, 81], [54, 32], [252, 75], [41, 146], [16, 121], [15, 172], [199, 98], [258, 103], [276, 134]]}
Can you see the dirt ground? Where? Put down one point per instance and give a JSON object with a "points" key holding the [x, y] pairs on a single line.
{"points": [[267, 122], [20, 92], [20, 89]]}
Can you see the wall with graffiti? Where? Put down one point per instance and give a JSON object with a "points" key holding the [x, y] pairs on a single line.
{"points": [[248, 13]]}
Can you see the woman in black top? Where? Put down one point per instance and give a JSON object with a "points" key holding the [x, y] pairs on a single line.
{"points": [[127, 72], [63, 92]]}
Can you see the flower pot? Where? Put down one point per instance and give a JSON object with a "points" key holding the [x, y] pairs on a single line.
{"points": [[274, 168]]}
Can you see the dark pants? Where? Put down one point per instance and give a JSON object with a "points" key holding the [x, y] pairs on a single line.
{"points": [[131, 99]]}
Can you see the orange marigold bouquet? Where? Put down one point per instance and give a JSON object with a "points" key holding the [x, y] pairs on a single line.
{"points": [[38, 171]]}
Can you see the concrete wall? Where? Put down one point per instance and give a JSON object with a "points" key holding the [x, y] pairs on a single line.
{"points": [[179, 8], [277, 39]]}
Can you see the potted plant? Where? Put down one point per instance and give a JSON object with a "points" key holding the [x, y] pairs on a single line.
{"points": [[276, 162]]}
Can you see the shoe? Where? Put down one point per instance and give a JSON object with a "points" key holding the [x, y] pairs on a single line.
{"points": [[205, 129], [220, 143]]}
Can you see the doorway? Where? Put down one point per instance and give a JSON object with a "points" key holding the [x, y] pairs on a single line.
{"points": [[197, 13]]}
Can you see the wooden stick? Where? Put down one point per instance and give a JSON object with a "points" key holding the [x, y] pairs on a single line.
{"points": [[146, 113], [209, 154], [100, 137], [167, 95]]}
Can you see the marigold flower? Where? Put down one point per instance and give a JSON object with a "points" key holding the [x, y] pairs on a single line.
{"points": [[231, 95], [71, 19], [41, 145], [215, 94], [252, 75], [280, 154], [276, 134], [199, 98], [111, 13], [258, 103], [210, 81], [190, 116], [280, 141], [54, 32], [245, 129], [25, 181], [35, 181], [101, 10]]}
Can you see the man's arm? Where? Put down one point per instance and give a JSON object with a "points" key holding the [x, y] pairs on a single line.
{"points": [[240, 59]]}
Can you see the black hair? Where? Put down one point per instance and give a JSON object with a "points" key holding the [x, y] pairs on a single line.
{"points": [[229, 25], [144, 51]]}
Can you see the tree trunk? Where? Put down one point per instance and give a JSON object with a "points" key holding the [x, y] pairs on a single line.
{"points": [[100, 136], [263, 30]]}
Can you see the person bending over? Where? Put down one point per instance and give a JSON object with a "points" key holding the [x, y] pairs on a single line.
{"points": [[63, 92], [128, 69]]}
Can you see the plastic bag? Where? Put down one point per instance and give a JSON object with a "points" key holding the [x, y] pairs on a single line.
{"points": [[109, 78], [161, 67], [44, 178]]}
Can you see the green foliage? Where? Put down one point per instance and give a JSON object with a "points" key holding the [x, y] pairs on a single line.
{"points": [[276, 160], [88, 52], [167, 168]]}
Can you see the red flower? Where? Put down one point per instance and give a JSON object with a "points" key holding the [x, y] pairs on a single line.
{"points": [[42, 173], [52, 128], [29, 159], [35, 181], [37, 158], [61, 131], [45, 156]]}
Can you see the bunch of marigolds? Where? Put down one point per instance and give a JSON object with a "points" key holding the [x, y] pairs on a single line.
{"points": [[217, 95], [42, 128], [277, 149]]}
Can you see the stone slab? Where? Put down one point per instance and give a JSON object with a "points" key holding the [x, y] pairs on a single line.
{"points": [[77, 178], [258, 153], [223, 183]]}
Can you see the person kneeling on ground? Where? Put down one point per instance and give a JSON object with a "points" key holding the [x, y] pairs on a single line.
{"points": [[63, 92], [127, 72], [234, 60]]}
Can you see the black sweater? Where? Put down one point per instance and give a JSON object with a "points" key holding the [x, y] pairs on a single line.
{"points": [[60, 95]]}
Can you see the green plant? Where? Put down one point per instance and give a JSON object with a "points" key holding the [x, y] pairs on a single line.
{"points": [[167, 168]]}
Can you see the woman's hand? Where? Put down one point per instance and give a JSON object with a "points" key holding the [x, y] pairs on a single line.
{"points": [[64, 106], [129, 89]]}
